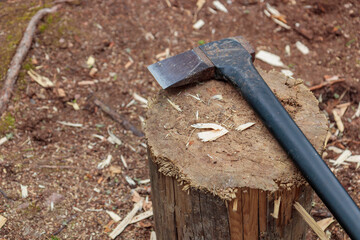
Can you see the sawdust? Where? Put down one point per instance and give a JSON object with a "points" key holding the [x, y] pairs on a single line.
{"points": [[251, 158]]}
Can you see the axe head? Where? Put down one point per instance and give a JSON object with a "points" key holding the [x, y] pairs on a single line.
{"points": [[191, 66]]}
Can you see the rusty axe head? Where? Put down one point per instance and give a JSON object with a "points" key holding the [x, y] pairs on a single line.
{"points": [[194, 65]]}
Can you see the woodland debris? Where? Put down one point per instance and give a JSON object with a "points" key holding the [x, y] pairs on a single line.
{"points": [[104, 163], [220, 6], [177, 107], [90, 62], [207, 136], [24, 191], [217, 97], [287, 50], [112, 138], [345, 155], [129, 63], [84, 83], [41, 80], [287, 72], [302, 48], [70, 124], [140, 99], [142, 216], [153, 235], [117, 117], [2, 221], [123, 161], [275, 214], [242, 127], [193, 96], [357, 113], [64, 224], [115, 169], [335, 149], [123, 224], [326, 83], [130, 181], [310, 221], [74, 105], [135, 196], [276, 16], [20, 55], [269, 58], [3, 140], [338, 121], [163, 55], [92, 72], [113, 216], [199, 24], [324, 223], [342, 108]]}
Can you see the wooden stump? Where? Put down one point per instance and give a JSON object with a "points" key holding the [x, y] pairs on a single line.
{"points": [[240, 186]]}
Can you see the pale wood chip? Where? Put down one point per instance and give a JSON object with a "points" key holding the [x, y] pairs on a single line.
{"points": [[244, 126], [345, 155], [123, 224], [41, 80], [213, 126], [123, 161], [335, 149], [153, 235], [2, 221], [354, 159], [24, 191], [277, 202], [357, 113], [220, 6], [310, 221], [140, 99], [199, 24], [104, 163], [212, 135], [338, 121], [324, 223], [342, 108], [113, 216], [70, 124], [3, 140], [142, 216], [174, 105], [112, 138], [83, 83]]}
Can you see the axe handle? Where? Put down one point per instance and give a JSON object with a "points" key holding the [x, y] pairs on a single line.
{"points": [[257, 93]]}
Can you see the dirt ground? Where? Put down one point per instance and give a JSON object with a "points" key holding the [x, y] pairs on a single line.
{"points": [[67, 193]]}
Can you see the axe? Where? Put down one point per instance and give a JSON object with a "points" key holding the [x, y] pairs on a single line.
{"points": [[232, 59]]}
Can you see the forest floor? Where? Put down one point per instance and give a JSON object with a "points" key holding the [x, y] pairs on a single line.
{"points": [[100, 49]]}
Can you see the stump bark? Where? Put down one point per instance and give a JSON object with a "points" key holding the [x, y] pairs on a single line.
{"points": [[240, 186]]}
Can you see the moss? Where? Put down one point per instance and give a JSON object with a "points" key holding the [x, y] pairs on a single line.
{"points": [[7, 123]]}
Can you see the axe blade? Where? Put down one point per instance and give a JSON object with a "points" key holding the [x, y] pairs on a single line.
{"points": [[182, 69]]}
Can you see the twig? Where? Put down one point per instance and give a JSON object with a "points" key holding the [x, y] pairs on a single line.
{"points": [[63, 226], [321, 85], [20, 55], [117, 117]]}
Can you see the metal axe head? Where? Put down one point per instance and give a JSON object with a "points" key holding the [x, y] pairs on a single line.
{"points": [[191, 66]]}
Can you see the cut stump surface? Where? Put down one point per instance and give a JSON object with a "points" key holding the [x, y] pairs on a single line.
{"points": [[243, 172]]}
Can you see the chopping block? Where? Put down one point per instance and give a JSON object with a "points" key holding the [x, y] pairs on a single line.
{"points": [[241, 185]]}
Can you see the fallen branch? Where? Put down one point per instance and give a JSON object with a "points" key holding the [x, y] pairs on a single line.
{"points": [[117, 117], [20, 55], [64, 224]]}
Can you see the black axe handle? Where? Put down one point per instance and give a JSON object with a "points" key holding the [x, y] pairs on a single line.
{"points": [[234, 64]]}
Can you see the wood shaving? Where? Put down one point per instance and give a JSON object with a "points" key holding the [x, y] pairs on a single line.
{"points": [[3, 140], [335, 149], [213, 126], [200, 4], [357, 113], [244, 126], [199, 24], [123, 161], [270, 58], [209, 136], [142, 216], [193, 96], [174, 105], [338, 121], [41, 80], [277, 202], [112, 138], [342, 157], [130, 181], [113, 216], [302, 48], [217, 97], [153, 235], [2, 221], [24, 191], [140, 99], [123, 224], [90, 62], [310, 221], [104, 163], [220, 6], [324, 223], [70, 124]]}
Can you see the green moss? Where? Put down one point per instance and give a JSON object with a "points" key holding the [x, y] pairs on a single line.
{"points": [[7, 123]]}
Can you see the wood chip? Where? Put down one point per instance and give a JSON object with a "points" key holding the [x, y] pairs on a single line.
{"points": [[90, 62], [123, 224], [270, 58], [353, 159], [324, 223], [84, 83], [310, 221], [213, 126], [342, 108], [92, 72], [199, 24], [174, 105], [60, 92], [338, 121], [140, 99], [342, 157], [24, 191], [302, 48], [112, 138], [142, 216], [123, 161], [244, 126], [41, 80], [220, 6], [3, 140], [130, 181], [277, 202], [287, 72], [128, 64], [357, 113], [2, 221], [70, 124], [217, 97], [153, 235], [74, 105], [335, 149], [113, 216], [104, 163], [163, 55], [200, 4], [209, 136]]}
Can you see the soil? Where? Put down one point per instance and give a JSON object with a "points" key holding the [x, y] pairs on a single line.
{"points": [[58, 163]]}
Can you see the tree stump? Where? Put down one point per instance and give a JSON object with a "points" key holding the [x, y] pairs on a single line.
{"points": [[243, 184]]}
